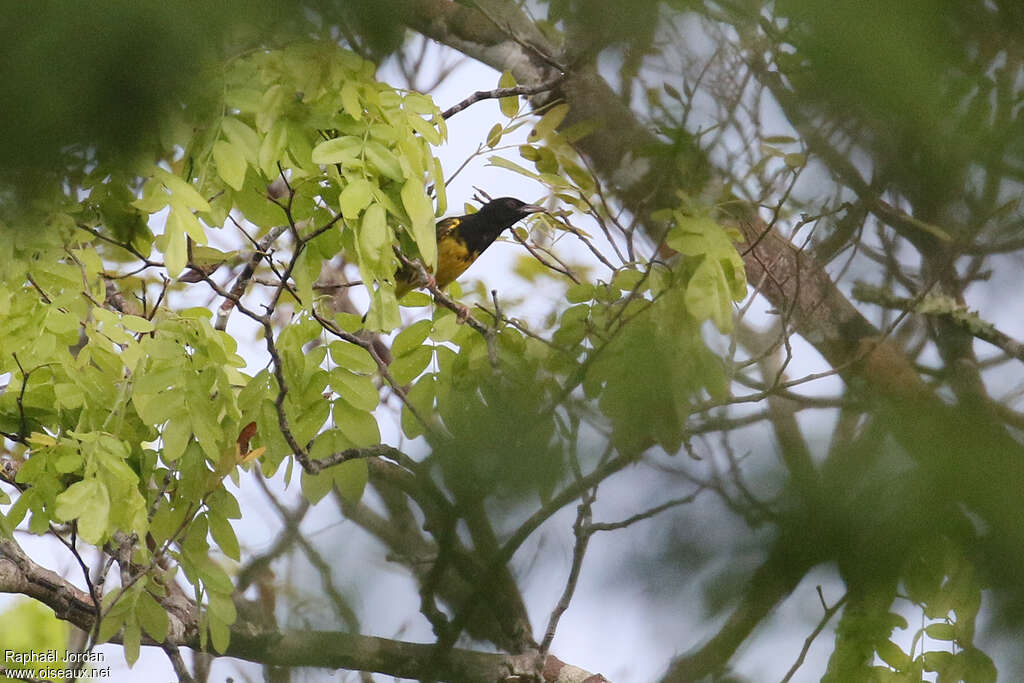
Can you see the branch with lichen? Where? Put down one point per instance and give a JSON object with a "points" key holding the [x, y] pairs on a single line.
{"points": [[945, 306]]}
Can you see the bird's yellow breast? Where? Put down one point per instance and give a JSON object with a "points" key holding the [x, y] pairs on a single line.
{"points": [[453, 258]]}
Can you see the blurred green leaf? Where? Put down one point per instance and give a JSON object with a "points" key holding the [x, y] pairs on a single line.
{"points": [[509, 105]]}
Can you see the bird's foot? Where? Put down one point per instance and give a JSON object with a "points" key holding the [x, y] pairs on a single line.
{"points": [[462, 314]]}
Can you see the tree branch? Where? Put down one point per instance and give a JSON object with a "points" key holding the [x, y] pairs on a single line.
{"points": [[947, 307], [498, 93], [326, 649]]}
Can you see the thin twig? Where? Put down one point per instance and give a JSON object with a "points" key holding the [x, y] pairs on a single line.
{"points": [[505, 553], [583, 531], [242, 281], [647, 514], [439, 296], [515, 91], [535, 252], [376, 451], [829, 613], [293, 533], [93, 591]]}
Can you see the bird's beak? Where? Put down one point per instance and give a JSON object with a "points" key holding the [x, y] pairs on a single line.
{"points": [[527, 209]]}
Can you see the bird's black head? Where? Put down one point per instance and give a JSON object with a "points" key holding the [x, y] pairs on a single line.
{"points": [[483, 227], [505, 211]]}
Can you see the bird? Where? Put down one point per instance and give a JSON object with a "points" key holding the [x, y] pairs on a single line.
{"points": [[461, 240]]}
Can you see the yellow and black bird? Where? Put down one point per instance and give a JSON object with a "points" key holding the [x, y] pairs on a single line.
{"points": [[461, 240]]}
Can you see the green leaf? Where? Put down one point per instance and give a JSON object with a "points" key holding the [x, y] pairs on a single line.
{"points": [[176, 436], [358, 426], [343, 150], [224, 535], [61, 322], [410, 338], [182, 219], [166, 521], [509, 105], [151, 616], [220, 635], [695, 235], [176, 253], [132, 642], [580, 293], [89, 502], [580, 130], [110, 625], [383, 313], [182, 191], [373, 233], [358, 390], [214, 577], [231, 164], [350, 100], [384, 160], [21, 505], [328, 443], [940, 631], [307, 268], [440, 193], [416, 299], [406, 368], [355, 197], [351, 357], [223, 607], [795, 160], [445, 326], [707, 295], [67, 462], [511, 166], [421, 212], [224, 503], [419, 104], [494, 135], [136, 323], [242, 138], [936, 660], [350, 479], [316, 486], [980, 666], [272, 149], [112, 454], [421, 396], [549, 122], [893, 655], [425, 128]]}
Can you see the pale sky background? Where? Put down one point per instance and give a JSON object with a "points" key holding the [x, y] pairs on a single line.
{"points": [[613, 626]]}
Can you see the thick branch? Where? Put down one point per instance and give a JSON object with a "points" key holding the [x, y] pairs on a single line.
{"points": [[947, 307], [771, 584], [408, 546], [325, 649], [18, 574]]}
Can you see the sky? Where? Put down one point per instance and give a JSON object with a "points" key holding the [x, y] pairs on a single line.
{"points": [[615, 625], [620, 628]]}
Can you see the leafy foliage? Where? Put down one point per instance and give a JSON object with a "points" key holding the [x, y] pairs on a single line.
{"points": [[175, 314], [126, 420]]}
